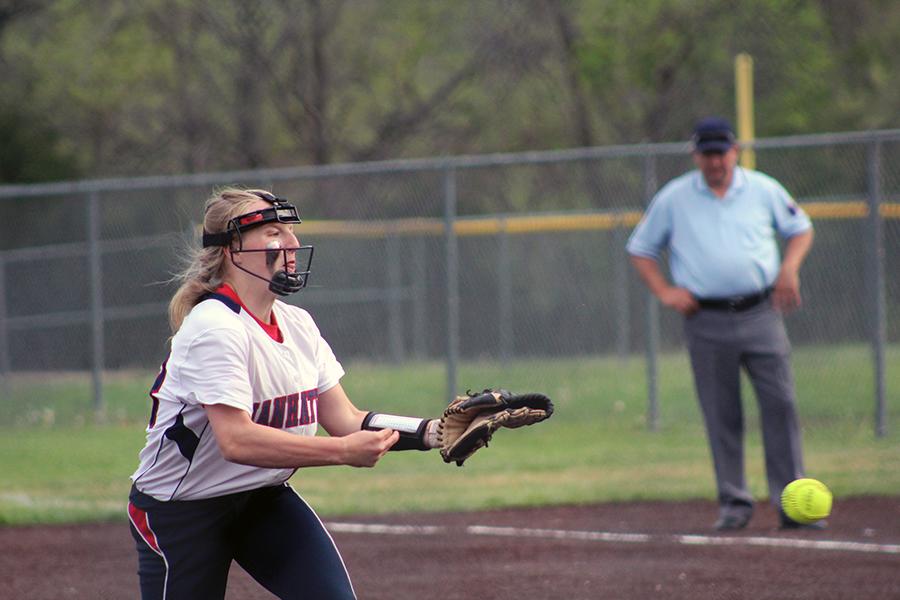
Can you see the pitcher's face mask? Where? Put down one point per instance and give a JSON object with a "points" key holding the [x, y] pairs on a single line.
{"points": [[282, 281]]}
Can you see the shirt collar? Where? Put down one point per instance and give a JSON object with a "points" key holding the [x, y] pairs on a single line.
{"points": [[738, 181], [270, 328]]}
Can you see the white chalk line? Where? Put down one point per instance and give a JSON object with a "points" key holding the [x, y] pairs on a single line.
{"points": [[561, 534], [628, 538], [385, 529]]}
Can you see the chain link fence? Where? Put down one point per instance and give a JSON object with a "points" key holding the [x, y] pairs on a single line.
{"points": [[481, 258]]}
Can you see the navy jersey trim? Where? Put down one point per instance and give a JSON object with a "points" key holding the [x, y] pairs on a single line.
{"points": [[186, 440], [157, 385], [234, 306], [190, 460]]}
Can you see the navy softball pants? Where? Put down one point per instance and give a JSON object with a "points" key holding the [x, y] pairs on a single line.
{"points": [[185, 548]]}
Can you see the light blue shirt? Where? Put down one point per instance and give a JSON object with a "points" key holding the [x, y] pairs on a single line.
{"points": [[719, 247]]}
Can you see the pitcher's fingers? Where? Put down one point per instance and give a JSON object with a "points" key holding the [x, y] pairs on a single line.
{"points": [[392, 439]]}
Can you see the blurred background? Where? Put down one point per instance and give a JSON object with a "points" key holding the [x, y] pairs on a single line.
{"points": [[100, 88], [467, 171]]}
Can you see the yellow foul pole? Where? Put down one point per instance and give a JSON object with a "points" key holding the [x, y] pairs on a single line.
{"points": [[743, 84]]}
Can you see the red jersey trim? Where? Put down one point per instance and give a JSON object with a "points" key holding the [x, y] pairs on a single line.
{"points": [[270, 328]]}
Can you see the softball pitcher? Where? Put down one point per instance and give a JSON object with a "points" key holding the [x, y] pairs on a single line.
{"points": [[235, 410]]}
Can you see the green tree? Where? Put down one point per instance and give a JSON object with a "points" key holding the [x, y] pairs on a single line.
{"points": [[32, 150], [655, 67], [166, 86]]}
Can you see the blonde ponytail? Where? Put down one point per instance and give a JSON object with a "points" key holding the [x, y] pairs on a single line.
{"points": [[202, 276], [204, 269]]}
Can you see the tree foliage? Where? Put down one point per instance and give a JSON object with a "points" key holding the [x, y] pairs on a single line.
{"points": [[114, 87]]}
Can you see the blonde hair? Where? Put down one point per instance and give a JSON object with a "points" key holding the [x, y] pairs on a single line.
{"points": [[204, 269]]}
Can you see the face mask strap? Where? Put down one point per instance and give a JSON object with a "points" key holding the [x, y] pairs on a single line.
{"points": [[280, 212]]}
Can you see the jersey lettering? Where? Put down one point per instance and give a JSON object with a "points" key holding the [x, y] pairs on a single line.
{"points": [[293, 408], [304, 408], [261, 412], [278, 412], [310, 402], [285, 412]]}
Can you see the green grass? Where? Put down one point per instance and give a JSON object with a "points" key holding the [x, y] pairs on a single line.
{"points": [[61, 463]]}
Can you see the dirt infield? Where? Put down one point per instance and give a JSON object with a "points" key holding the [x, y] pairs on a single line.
{"points": [[628, 550]]}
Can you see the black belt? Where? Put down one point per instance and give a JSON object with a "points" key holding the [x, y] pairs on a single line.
{"points": [[735, 303]]}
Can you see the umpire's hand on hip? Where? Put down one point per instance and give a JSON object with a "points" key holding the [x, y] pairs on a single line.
{"points": [[680, 299], [786, 295]]}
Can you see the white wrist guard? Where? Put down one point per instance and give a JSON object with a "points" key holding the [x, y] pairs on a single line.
{"points": [[415, 433]]}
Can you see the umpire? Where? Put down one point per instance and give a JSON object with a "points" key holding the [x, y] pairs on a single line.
{"points": [[718, 223]]}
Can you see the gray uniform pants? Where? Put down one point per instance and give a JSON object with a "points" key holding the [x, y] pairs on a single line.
{"points": [[720, 342]]}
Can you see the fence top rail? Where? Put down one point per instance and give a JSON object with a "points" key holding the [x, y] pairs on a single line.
{"points": [[268, 176], [467, 225]]}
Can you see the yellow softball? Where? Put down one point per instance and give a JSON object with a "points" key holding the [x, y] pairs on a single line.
{"points": [[806, 500]]}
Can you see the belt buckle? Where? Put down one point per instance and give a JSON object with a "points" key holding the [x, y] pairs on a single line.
{"points": [[734, 303]]}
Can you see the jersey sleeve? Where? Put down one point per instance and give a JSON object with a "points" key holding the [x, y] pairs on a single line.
{"points": [[330, 370], [314, 347], [651, 235], [216, 369], [788, 218]]}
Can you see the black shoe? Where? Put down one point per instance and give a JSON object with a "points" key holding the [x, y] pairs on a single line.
{"points": [[788, 524], [732, 522]]}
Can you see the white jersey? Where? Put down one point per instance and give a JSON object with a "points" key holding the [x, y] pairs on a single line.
{"points": [[222, 355]]}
